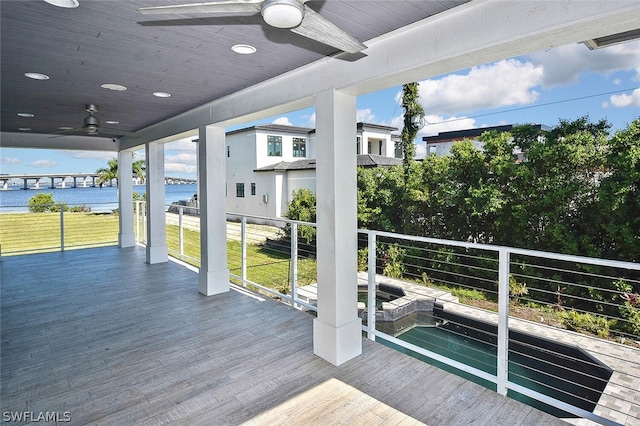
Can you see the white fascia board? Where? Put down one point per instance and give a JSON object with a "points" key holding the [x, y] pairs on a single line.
{"points": [[475, 33]]}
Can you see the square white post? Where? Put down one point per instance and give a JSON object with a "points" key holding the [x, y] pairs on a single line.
{"points": [[126, 237], [214, 271], [337, 331], [157, 251]]}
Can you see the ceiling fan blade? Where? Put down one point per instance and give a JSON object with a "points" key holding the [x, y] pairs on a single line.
{"points": [[231, 6], [315, 27]]}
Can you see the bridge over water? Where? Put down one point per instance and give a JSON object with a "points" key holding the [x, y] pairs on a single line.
{"points": [[69, 180]]}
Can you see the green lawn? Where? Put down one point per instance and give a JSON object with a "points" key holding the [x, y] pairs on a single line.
{"points": [[22, 233], [267, 267], [33, 232]]}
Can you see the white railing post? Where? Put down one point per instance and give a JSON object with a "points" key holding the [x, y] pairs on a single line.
{"points": [[294, 263], [243, 248], [371, 285], [137, 221], [144, 222], [61, 227], [503, 322], [181, 232]]}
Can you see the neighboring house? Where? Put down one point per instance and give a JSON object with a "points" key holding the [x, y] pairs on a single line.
{"points": [[441, 144], [266, 163]]}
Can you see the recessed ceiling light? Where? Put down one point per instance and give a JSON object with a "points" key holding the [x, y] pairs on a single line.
{"points": [[70, 4], [115, 87], [66, 128], [243, 49], [112, 122], [162, 94], [36, 76], [24, 129], [25, 114]]}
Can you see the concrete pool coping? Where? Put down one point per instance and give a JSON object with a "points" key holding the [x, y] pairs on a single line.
{"points": [[620, 400]]}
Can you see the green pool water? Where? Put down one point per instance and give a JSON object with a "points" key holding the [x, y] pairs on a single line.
{"points": [[538, 364]]}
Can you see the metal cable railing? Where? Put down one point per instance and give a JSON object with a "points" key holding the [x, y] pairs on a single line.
{"points": [[555, 330], [559, 332], [55, 227]]}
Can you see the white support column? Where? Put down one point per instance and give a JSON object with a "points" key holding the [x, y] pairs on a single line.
{"points": [[157, 251], [214, 272], [126, 237], [337, 333]]}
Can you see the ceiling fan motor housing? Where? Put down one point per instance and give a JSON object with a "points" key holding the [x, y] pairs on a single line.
{"points": [[91, 123], [283, 13]]}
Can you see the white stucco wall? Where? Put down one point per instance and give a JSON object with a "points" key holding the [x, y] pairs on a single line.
{"points": [[248, 151]]}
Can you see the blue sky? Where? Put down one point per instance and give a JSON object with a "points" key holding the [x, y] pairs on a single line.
{"points": [[566, 82]]}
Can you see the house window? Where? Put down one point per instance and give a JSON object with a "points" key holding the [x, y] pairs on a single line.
{"points": [[274, 146], [240, 190], [358, 145], [368, 147], [253, 188], [398, 149], [299, 147], [433, 150]]}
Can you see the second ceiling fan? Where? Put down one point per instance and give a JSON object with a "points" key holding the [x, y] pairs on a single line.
{"points": [[294, 15]]}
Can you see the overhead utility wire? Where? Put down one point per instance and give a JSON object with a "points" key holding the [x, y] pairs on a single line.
{"points": [[536, 106]]}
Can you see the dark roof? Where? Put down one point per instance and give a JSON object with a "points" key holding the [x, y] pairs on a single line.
{"points": [[279, 128], [360, 125], [289, 165], [364, 160], [473, 133], [371, 160]]}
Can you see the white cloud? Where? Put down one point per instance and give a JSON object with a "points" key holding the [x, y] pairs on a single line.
{"points": [[312, 120], [99, 155], [564, 64], [437, 124], [503, 83], [182, 162], [181, 158], [623, 100], [433, 125], [282, 121], [10, 160], [43, 163], [180, 168], [366, 116], [186, 144]]}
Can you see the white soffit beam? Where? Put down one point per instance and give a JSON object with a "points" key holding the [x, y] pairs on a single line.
{"points": [[475, 33], [45, 141]]}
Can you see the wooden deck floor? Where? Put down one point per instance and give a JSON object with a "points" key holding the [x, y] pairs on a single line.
{"points": [[104, 338]]}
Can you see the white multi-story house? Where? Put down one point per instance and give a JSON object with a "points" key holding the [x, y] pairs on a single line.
{"points": [[266, 163], [441, 144]]}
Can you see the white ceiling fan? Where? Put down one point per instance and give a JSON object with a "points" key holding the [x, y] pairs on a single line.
{"points": [[292, 14]]}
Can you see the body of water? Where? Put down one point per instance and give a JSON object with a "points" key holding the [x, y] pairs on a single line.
{"points": [[98, 199]]}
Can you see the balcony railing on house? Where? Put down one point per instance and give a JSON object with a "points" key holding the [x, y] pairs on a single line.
{"points": [[559, 332]]}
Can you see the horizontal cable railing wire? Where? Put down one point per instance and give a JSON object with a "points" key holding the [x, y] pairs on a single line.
{"points": [[574, 322], [55, 226], [578, 311], [264, 263]]}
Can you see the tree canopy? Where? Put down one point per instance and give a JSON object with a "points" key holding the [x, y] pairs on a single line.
{"points": [[109, 173], [575, 191]]}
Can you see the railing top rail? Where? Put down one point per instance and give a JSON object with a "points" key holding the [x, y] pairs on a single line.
{"points": [[280, 219], [511, 250]]}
